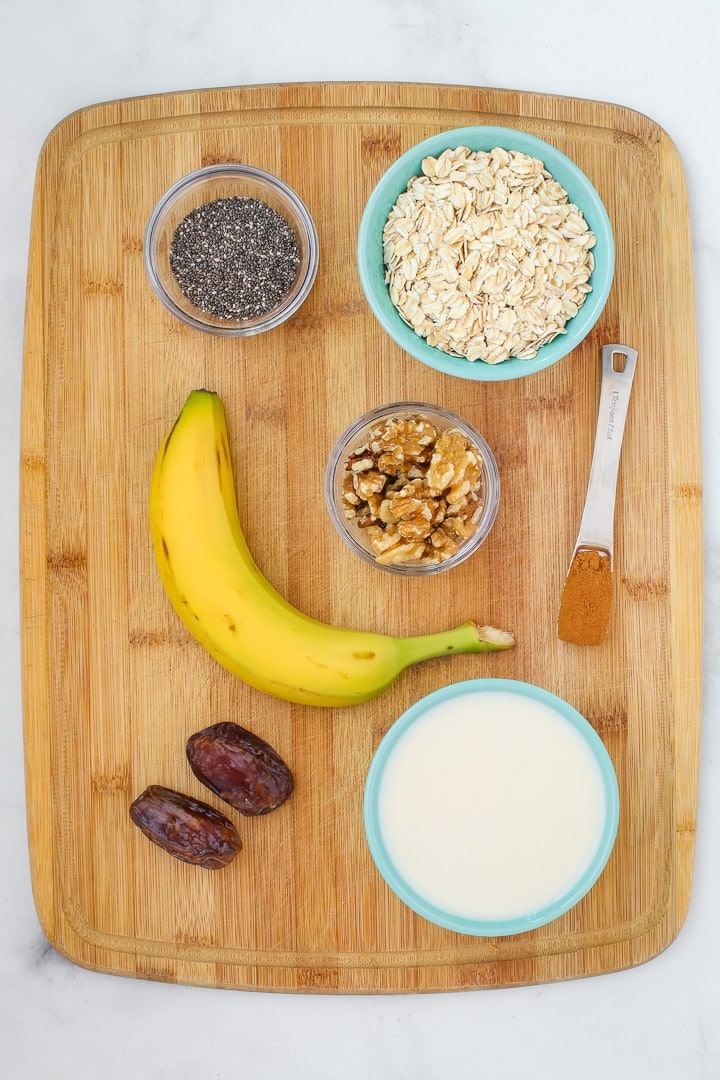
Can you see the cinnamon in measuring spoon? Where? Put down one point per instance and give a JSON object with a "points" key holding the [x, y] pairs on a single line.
{"points": [[586, 601]]}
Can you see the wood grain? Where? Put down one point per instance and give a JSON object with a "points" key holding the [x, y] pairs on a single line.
{"points": [[112, 683]]}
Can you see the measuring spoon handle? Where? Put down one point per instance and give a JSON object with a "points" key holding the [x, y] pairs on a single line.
{"points": [[596, 524]]}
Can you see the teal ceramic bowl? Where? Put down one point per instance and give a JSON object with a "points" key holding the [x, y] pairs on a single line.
{"points": [[372, 269], [571, 807]]}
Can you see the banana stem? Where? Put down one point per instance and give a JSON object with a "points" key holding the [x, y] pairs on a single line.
{"points": [[467, 638]]}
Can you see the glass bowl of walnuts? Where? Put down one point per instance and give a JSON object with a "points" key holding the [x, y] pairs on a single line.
{"points": [[412, 488]]}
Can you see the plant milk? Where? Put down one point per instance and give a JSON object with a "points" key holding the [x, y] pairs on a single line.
{"points": [[491, 805]]}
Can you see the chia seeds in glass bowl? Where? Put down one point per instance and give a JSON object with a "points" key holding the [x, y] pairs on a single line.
{"points": [[231, 250], [235, 258]]}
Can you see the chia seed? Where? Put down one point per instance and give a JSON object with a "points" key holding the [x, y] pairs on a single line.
{"points": [[234, 258]]}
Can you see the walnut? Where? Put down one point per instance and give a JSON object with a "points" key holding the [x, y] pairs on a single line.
{"points": [[402, 553], [412, 500], [382, 539], [459, 527], [403, 443], [375, 503], [444, 545], [361, 462], [386, 512], [369, 482], [416, 492], [349, 493], [416, 510], [454, 464]]}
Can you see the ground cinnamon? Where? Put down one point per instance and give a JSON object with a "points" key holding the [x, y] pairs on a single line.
{"points": [[586, 601]]}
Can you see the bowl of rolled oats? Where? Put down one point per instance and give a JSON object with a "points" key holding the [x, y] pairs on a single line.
{"points": [[486, 253], [412, 488]]}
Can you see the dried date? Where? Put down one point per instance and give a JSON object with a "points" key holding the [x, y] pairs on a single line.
{"points": [[189, 829], [241, 768]]}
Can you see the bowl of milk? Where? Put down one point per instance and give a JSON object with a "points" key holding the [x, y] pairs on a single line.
{"points": [[491, 807]]}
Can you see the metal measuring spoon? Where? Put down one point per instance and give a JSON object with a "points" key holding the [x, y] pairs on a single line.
{"points": [[586, 600]]}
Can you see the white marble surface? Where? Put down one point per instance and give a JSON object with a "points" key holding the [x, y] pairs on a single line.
{"points": [[658, 1021]]}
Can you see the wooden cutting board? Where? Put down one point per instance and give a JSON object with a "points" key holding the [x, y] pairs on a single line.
{"points": [[112, 683]]}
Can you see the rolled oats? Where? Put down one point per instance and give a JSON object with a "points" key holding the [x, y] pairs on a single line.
{"points": [[485, 256]]}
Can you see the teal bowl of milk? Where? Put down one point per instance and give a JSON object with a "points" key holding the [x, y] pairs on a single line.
{"points": [[491, 807]]}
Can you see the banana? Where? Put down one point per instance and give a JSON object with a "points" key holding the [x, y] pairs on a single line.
{"points": [[229, 606]]}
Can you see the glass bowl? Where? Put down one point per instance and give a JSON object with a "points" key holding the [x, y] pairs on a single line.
{"points": [[371, 264], [491, 807], [355, 439], [204, 187]]}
